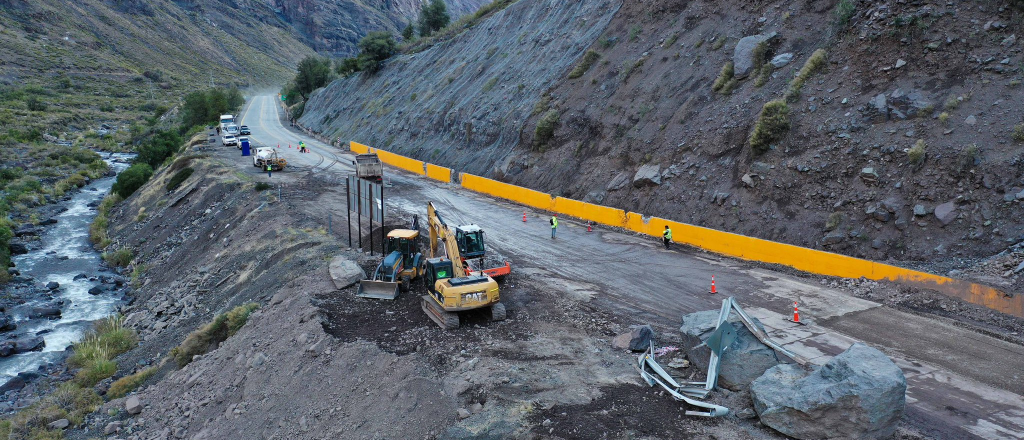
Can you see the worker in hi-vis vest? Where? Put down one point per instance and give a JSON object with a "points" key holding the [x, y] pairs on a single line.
{"points": [[667, 236], [554, 225], [269, 169]]}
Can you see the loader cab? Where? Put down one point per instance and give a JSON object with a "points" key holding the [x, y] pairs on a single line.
{"points": [[406, 242], [471, 241]]}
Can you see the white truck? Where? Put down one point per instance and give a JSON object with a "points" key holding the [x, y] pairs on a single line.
{"points": [[266, 155], [226, 120], [231, 129]]}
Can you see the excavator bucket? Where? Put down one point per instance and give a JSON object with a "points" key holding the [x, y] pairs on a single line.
{"points": [[377, 289]]}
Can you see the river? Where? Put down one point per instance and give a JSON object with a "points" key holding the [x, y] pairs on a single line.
{"points": [[46, 262]]}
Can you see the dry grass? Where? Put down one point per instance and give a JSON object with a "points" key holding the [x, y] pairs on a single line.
{"points": [[917, 153], [772, 124], [724, 77], [211, 335], [127, 384], [814, 63], [585, 64], [1018, 133]]}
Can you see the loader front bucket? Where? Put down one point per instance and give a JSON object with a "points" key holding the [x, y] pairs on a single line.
{"points": [[377, 289]]}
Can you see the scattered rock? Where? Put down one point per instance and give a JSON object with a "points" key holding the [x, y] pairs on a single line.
{"points": [[476, 408], [900, 63], [858, 394], [27, 230], [7, 323], [44, 312], [47, 222], [869, 175], [879, 106], [971, 120], [23, 344], [464, 413], [96, 290], [878, 213], [345, 272], [133, 405], [920, 210], [640, 337], [743, 361], [743, 56], [111, 428], [748, 180], [618, 182], [781, 60], [1010, 41], [946, 213], [647, 175], [14, 384], [834, 237], [59, 424]]}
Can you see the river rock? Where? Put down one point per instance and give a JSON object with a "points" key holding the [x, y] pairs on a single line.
{"points": [[345, 272], [49, 221], [6, 323], [52, 285], [743, 55], [743, 361], [21, 345], [59, 424], [96, 290], [946, 213], [858, 394], [647, 175], [44, 312], [26, 230], [14, 384], [18, 248]]}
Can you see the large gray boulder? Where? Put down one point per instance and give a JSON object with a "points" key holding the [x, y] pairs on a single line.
{"points": [[859, 394], [743, 361], [743, 56], [946, 213], [647, 175], [345, 272]]}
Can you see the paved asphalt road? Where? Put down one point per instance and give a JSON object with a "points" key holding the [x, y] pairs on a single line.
{"points": [[961, 384]]}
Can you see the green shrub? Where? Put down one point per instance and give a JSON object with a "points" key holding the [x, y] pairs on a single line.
{"points": [[944, 118], [120, 258], [952, 103], [585, 64], [546, 128], [719, 42], [843, 12], [671, 40], [211, 335], [814, 63], [98, 228], [93, 372], [1018, 133], [158, 148], [772, 124], [917, 153], [179, 178], [969, 156], [262, 186], [94, 354], [132, 179], [724, 76], [127, 384], [834, 219]]}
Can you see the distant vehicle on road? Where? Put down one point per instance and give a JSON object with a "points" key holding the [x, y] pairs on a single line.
{"points": [[244, 130], [229, 140], [231, 129], [241, 141], [226, 119]]}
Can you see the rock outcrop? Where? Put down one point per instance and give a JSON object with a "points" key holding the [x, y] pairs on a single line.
{"points": [[743, 56], [858, 394]]}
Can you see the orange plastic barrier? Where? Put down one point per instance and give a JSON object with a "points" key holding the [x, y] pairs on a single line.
{"points": [[441, 174]]}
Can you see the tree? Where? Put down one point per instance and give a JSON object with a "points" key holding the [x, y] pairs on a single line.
{"points": [[375, 47], [132, 179], [347, 66], [433, 17], [314, 73], [409, 32]]}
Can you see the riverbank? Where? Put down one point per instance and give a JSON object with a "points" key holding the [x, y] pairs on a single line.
{"points": [[59, 286]]}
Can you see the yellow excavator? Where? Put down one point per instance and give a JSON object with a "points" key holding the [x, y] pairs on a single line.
{"points": [[450, 289]]}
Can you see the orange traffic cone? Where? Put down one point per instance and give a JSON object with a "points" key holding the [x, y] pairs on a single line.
{"points": [[590, 227], [796, 314], [524, 217], [713, 290]]}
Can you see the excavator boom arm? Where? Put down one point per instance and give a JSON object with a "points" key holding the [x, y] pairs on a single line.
{"points": [[439, 231]]}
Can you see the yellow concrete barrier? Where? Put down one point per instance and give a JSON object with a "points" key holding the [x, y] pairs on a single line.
{"points": [[725, 243], [439, 173], [358, 148], [395, 160], [514, 193]]}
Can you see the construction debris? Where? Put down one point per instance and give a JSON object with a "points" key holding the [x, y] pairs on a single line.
{"points": [[745, 359], [860, 393]]}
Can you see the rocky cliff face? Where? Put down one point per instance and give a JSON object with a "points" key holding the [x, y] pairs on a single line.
{"points": [[335, 27], [643, 129]]}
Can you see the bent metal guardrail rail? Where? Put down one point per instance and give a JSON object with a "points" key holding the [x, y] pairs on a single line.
{"points": [[720, 242]]}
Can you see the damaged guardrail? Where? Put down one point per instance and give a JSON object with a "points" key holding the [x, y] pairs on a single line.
{"points": [[719, 340]]}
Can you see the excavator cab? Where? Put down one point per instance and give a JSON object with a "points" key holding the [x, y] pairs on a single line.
{"points": [[471, 241]]}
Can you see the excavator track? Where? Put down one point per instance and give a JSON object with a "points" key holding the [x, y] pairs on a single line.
{"points": [[446, 320]]}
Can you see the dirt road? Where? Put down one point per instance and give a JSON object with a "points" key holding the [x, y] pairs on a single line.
{"points": [[961, 383]]}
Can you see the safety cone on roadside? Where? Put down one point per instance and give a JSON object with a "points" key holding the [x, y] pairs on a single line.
{"points": [[590, 227], [713, 289], [524, 217], [796, 315]]}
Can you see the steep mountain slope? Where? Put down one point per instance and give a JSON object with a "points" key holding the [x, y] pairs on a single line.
{"points": [[839, 178]]}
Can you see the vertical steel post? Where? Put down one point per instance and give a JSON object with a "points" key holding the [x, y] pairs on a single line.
{"points": [[359, 212], [382, 217], [348, 202]]}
